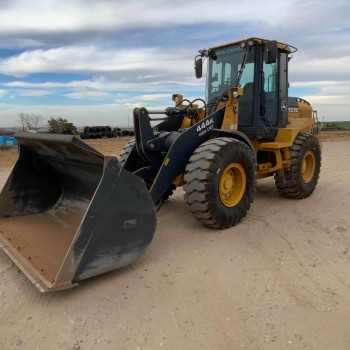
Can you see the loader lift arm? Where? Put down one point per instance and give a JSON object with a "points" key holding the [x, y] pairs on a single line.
{"points": [[163, 155]]}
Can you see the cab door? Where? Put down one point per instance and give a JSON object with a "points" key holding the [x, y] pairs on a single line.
{"points": [[275, 92]]}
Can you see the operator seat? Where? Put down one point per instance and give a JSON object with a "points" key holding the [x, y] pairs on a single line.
{"points": [[245, 106]]}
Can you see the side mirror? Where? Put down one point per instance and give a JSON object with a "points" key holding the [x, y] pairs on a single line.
{"points": [[198, 67], [270, 55]]}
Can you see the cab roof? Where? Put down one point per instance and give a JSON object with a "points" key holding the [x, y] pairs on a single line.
{"points": [[284, 47]]}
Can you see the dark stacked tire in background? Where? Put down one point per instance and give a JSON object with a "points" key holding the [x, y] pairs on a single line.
{"points": [[97, 132], [118, 132]]}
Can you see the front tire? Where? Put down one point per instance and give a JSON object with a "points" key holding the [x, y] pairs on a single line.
{"points": [[126, 151], [220, 182]]}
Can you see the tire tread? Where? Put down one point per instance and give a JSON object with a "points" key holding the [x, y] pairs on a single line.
{"points": [[291, 187], [201, 169]]}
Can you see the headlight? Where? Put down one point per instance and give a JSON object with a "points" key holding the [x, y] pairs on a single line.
{"points": [[235, 94]]}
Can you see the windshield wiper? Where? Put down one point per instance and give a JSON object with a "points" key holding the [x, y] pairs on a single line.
{"points": [[238, 76]]}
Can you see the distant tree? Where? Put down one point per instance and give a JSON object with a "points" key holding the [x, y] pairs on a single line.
{"points": [[22, 120], [30, 121], [61, 126]]}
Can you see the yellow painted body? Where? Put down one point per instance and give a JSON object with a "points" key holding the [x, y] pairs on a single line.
{"points": [[232, 184], [230, 121], [277, 151], [304, 110]]}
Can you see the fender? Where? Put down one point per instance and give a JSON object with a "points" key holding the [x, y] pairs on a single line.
{"points": [[238, 135]]}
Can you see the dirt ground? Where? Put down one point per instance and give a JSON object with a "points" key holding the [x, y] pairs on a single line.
{"points": [[278, 280]]}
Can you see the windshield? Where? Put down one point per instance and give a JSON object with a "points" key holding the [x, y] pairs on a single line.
{"points": [[224, 70]]}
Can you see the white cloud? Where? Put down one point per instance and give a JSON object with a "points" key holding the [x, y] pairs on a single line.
{"points": [[154, 97], [153, 100], [92, 59], [111, 114], [35, 93], [75, 37], [68, 16], [102, 84], [88, 95], [327, 89], [24, 84], [331, 100], [321, 68], [36, 21], [115, 114], [307, 84], [100, 88], [327, 100]]}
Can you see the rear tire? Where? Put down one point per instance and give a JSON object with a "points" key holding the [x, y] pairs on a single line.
{"points": [[300, 181], [220, 182]]}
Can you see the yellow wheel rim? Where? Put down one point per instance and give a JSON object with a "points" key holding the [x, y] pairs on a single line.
{"points": [[308, 167], [232, 184]]}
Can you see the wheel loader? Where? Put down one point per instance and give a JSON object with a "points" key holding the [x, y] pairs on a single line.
{"points": [[69, 213]]}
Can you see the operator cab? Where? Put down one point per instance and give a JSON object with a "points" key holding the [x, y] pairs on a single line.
{"points": [[260, 67]]}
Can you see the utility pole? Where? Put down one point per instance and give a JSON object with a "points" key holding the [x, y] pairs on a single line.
{"points": [[322, 122]]}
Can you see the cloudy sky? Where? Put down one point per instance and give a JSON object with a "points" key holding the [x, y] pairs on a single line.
{"points": [[93, 61]]}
